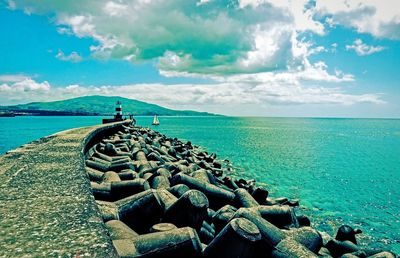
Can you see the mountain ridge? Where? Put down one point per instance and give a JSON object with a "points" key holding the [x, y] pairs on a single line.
{"points": [[97, 105]]}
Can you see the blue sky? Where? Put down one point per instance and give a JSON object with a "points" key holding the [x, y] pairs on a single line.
{"points": [[262, 58]]}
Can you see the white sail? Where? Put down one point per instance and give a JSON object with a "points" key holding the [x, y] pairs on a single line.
{"points": [[155, 120]]}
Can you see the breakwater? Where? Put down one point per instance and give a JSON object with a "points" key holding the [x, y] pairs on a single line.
{"points": [[160, 197], [46, 205], [47, 208]]}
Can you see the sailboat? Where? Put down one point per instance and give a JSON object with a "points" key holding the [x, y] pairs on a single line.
{"points": [[155, 120]]}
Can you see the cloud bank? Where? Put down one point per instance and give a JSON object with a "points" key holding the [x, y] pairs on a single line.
{"points": [[212, 37], [278, 89], [206, 37], [23, 88]]}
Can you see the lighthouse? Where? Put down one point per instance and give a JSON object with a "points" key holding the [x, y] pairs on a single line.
{"points": [[118, 114], [118, 111]]}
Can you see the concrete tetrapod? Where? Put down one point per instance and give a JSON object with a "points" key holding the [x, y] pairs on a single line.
{"points": [[217, 196], [127, 188], [237, 239], [280, 216], [271, 235], [338, 248], [116, 190], [289, 248], [244, 199], [201, 175], [140, 211], [306, 236], [223, 216], [159, 182], [181, 242], [119, 230], [161, 227], [178, 190], [165, 198], [190, 210]]}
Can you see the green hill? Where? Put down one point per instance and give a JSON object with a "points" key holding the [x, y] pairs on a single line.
{"points": [[97, 105]]}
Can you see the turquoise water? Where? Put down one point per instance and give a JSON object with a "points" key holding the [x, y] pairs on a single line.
{"points": [[15, 131], [342, 170]]}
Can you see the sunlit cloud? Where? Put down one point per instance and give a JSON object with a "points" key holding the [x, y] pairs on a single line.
{"points": [[363, 49], [209, 37], [73, 57], [380, 18]]}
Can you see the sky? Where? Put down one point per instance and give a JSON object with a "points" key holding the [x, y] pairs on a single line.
{"points": [[235, 57]]}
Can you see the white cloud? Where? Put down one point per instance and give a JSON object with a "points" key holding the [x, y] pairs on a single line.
{"points": [[329, 21], [12, 77], [64, 30], [202, 2], [81, 25], [318, 72], [303, 17], [380, 18], [73, 57], [312, 73], [23, 86], [114, 9], [237, 91], [363, 49], [209, 37], [256, 51], [299, 10], [215, 37], [270, 49]]}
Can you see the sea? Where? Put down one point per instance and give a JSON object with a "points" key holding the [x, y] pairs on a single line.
{"points": [[343, 171]]}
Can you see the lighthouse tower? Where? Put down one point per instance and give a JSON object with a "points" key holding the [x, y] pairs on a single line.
{"points": [[118, 111], [118, 114]]}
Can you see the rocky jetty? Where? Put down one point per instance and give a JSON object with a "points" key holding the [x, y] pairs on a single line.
{"points": [[161, 197]]}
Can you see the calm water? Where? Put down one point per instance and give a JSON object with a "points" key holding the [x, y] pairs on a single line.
{"points": [[342, 170]]}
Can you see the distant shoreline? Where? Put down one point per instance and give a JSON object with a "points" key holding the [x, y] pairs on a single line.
{"points": [[62, 113], [95, 106]]}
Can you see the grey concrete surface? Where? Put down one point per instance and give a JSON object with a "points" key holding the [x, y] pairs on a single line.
{"points": [[46, 205]]}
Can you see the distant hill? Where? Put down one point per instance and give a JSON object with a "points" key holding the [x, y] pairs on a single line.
{"points": [[96, 105]]}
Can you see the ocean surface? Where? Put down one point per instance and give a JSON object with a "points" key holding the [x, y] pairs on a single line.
{"points": [[342, 170]]}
